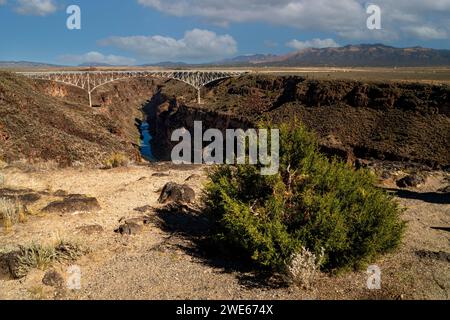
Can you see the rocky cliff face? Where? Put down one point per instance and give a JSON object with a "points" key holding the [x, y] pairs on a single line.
{"points": [[44, 121], [390, 121], [166, 115], [387, 121]]}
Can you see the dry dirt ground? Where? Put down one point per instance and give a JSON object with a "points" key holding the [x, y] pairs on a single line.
{"points": [[164, 260]]}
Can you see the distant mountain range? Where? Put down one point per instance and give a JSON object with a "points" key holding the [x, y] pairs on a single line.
{"points": [[377, 55], [95, 64], [166, 64], [364, 55], [248, 59], [25, 64]]}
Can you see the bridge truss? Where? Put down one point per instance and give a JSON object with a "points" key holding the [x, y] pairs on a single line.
{"points": [[91, 80]]}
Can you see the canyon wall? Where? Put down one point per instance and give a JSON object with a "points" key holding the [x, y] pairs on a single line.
{"points": [[386, 121]]}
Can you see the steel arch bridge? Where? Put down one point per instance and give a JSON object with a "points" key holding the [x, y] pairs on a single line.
{"points": [[91, 80]]}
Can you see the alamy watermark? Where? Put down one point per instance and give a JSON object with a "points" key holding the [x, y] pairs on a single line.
{"points": [[73, 278], [373, 277], [374, 19], [236, 147], [74, 20]]}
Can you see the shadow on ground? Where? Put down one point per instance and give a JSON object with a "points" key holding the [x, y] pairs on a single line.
{"points": [[193, 231], [430, 197]]}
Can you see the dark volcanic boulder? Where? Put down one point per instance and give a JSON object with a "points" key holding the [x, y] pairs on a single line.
{"points": [[129, 228], [413, 180], [143, 209], [60, 193], [25, 196], [73, 204], [12, 260], [173, 192], [53, 278]]}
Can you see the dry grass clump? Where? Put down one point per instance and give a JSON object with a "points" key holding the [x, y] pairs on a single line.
{"points": [[38, 256], [116, 160], [68, 251], [34, 256], [11, 213], [30, 166]]}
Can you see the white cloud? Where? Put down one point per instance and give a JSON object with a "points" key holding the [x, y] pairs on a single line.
{"points": [[314, 43], [345, 18], [195, 45], [2, 2], [94, 57], [296, 13], [35, 7], [426, 32]]}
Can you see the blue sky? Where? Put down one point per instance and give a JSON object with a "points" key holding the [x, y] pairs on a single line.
{"points": [[144, 31]]}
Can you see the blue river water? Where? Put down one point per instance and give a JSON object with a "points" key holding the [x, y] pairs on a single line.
{"points": [[146, 147]]}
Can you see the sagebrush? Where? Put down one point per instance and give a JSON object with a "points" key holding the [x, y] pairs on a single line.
{"points": [[11, 212], [304, 267], [313, 203], [116, 160]]}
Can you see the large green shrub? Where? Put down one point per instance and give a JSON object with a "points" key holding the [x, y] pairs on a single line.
{"points": [[313, 203]]}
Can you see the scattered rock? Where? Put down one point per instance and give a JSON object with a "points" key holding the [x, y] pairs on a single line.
{"points": [[73, 204], [386, 175], [9, 191], [141, 220], [52, 278], [413, 180], [29, 198], [90, 229], [12, 260], [143, 209], [75, 196], [60, 193], [129, 228], [4, 268], [361, 163], [25, 196], [173, 192]]}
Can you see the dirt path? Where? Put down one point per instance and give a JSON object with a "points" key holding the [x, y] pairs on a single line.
{"points": [[163, 261]]}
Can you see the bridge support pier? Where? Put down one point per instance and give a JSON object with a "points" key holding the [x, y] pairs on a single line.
{"points": [[89, 89], [90, 98], [199, 96]]}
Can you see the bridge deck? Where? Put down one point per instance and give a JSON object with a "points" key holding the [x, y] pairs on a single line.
{"points": [[91, 80]]}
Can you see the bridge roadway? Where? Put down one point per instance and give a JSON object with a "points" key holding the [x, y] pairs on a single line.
{"points": [[91, 80]]}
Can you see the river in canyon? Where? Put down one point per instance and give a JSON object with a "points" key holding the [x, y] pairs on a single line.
{"points": [[146, 138]]}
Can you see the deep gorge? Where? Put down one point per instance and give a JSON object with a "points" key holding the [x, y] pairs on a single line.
{"points": [[385, 121]]}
